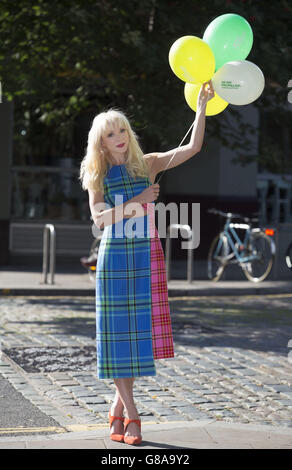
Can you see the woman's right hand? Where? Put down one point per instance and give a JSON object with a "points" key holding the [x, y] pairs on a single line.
{"points": [[149, 194], [206, 93]]}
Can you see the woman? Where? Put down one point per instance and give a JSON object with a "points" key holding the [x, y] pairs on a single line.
{"points": [[133, 326]]}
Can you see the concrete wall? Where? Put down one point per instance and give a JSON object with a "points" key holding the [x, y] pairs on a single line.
{"points": [[234, 179], [197, 176], [212, 172]]}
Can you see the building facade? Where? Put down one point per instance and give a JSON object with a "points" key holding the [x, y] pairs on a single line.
{"points": [[35, 195]]}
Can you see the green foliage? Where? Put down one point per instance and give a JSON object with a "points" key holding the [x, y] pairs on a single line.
{"points": [[62, 60]]}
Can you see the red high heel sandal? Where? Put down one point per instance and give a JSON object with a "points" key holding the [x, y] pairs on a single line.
{"points": [[114, 436], [131, 440]]}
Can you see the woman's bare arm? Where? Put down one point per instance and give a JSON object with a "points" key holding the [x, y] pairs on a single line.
{"points": [[103, 217], [159, 161]]}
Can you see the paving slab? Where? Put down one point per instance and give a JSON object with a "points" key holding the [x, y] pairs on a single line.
{"points": [[24, 281], [171, 436], [231, 368]]}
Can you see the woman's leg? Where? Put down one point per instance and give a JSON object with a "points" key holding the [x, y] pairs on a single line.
{"points": [[117, 409], [125, 391]]}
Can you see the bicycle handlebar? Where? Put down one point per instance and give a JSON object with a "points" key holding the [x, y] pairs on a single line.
{"points": [[232, 215]]}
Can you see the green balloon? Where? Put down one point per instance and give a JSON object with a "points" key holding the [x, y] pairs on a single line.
{"points": [[230, 37]]}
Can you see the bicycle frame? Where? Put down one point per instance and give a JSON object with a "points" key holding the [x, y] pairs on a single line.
{"points": [[232, 238], [229, 247]]}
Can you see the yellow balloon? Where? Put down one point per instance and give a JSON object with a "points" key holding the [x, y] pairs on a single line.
{"points": [[192, 59], [215, 106]]}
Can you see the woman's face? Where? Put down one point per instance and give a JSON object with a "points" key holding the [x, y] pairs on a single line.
{"points": [[116, 140]]}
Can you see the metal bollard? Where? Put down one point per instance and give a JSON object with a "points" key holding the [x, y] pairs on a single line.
{"points": [[168, 251], [49, 250]]}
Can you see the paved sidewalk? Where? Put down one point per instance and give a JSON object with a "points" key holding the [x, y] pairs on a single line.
{"points": [[228, 385], [174, 436], [24, 281]]}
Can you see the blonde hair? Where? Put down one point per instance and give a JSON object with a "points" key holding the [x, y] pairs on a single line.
{"points": [[93, 167]]}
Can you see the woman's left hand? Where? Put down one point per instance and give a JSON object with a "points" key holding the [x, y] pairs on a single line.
{"points": [[206, 94]]}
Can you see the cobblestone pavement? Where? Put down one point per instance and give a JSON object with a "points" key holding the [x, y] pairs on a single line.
{"points": [[231, 361]]}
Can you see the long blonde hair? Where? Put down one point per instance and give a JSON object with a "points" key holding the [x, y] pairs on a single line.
{"points": [[93, 167]]}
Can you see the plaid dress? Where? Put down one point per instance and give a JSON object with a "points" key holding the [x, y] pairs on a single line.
{"points": [[133, 325]]}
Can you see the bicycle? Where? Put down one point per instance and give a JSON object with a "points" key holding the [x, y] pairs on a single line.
{"points": [[255, 254], [89, 262]]}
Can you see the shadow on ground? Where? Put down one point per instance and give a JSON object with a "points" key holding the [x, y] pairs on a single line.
{"points": [[259, 323]]}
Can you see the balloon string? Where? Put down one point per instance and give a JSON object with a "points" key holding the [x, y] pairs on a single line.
{"points": [[174, 154]]}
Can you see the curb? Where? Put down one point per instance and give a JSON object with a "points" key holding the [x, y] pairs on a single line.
{"points": [[172, 291], [171, 435]]}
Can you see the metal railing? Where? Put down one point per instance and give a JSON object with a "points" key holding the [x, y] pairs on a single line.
{"points": [[49, 251], [170, 228]]}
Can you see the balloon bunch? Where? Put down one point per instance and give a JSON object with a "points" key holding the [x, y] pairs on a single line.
{"points": [[220, 57]]}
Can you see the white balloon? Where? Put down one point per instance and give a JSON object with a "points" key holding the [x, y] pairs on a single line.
{"points": [[239, 82]]}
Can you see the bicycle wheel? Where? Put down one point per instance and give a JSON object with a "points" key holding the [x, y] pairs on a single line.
{"points": [[262, 250], [93, 254], [217, 257]]}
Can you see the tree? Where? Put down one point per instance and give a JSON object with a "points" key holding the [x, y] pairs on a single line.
{"points": [[63, 60]]}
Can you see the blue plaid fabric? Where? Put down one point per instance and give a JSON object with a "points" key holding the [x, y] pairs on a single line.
{"points": [[123, 287]]}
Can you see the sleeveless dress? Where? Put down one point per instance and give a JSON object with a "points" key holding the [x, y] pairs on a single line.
{"points": [[133, 325]]}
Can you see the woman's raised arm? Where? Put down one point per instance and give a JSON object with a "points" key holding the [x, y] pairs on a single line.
{"points": [[159, 161]]}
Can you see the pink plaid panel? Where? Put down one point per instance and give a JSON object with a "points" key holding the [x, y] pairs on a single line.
{"points": [[162, 340]]}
